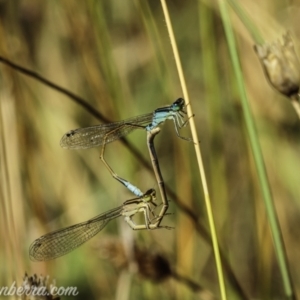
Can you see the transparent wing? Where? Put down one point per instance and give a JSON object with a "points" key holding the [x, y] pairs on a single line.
{"points": [[62, 241], [94, 136]]}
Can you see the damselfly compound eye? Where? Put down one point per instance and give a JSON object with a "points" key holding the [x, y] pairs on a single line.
{"points": [[178, 104]]}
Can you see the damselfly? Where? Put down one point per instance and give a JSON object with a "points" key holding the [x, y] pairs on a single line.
{"points": [[63, 241], [100, 135]]}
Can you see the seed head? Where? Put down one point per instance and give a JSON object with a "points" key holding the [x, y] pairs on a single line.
{"points": [[281, 65]]}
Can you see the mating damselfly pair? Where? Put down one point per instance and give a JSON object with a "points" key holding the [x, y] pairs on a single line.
{"points": [[62, 241]]}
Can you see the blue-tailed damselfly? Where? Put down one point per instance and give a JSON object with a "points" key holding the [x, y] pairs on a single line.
{"points": [[100, 135]]}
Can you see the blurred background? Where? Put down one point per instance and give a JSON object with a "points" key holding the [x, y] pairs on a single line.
{"points": [[116, 55]]}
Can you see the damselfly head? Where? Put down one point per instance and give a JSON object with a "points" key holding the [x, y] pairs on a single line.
{"points": [[178, 104], [150, 194]]}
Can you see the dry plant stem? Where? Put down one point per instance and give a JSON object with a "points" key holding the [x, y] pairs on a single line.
{"points": [[192, 215], [295, 102], [198, 153]]}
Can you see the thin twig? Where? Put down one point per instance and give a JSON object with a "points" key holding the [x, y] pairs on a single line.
{"points": [[192, 285], [56, 87]]}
